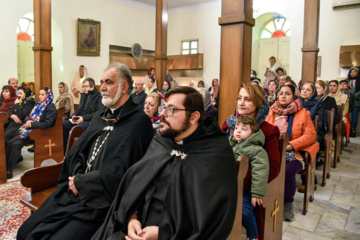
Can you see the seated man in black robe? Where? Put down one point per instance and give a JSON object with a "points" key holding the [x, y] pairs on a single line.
{"points": [[95, 165], [185, 187]]}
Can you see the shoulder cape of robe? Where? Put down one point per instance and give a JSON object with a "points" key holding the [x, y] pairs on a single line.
{"points": [[201, 197], [126, 144]]}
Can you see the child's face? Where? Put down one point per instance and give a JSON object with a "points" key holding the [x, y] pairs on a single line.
{"points": [[272, 62], [242, 132]]}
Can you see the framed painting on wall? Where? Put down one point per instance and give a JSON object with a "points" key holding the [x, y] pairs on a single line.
{"points": [[88, 37]]}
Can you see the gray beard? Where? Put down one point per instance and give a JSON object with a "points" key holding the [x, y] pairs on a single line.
{"points": [[108, 102]]}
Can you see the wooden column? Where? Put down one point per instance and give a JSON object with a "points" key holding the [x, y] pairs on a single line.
{"points": [[42, 44], [236, 23], [3, 119], [161, 42], [310, 45]]}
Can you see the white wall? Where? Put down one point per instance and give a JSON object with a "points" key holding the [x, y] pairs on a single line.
{"points": [[336, 28], [120, 25], [199, 24]]}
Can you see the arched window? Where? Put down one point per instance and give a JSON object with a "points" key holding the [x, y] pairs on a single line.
{"points": [[277, 27], [25, 28]]}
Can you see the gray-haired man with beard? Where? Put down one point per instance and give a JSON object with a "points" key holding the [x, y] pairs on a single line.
{"points": [[139, 95], [95, 165]]}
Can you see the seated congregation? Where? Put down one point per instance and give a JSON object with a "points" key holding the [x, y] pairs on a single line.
{"points": [[155, 164]]}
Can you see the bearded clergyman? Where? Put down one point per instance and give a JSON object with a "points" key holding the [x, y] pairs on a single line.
{"points": [[185, 187], [95, 165]]}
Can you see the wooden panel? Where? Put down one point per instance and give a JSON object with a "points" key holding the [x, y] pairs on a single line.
{"points": [[235, 56], [242, 165], [42, 44], [174, 62], [310, 42], [161, 41], [349, 56], [3, 118], [49, 142]]}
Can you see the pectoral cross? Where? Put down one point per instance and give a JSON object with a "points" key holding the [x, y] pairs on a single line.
{"points": [[49, 146], [274, 212]]}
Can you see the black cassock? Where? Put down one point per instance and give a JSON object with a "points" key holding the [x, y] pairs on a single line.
{"points": [[66, 216], [200, 182]]}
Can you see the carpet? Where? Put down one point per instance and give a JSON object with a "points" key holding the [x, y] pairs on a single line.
{"points": [[12, 212]]}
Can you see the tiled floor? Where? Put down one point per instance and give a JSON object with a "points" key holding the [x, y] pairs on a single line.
{"points": [[335, 212]]}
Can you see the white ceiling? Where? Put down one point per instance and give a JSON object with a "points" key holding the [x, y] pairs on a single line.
{"points": [[172, 4]]}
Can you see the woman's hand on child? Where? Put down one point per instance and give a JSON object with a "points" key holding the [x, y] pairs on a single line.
{"points": [[255, 200]]}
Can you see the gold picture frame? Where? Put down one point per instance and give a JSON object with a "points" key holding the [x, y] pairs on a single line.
{"points": [[88, 37]]}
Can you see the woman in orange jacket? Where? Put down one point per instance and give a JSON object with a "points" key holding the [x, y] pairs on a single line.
{"points": [[289, 116]]}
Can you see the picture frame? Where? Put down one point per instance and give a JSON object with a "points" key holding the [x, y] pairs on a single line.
{"points": [[88, 37]]}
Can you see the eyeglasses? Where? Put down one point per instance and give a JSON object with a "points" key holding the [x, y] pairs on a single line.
{"points": [[170, 110]]}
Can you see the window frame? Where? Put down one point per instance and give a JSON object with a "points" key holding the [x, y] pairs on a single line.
{"points": [[190, 48]]}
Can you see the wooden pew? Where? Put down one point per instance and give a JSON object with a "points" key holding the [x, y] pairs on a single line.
{"points": [[337, 135], [3, 119], [49, 142], [242, 165], [42, 181], [330, 115], [273, 202]]}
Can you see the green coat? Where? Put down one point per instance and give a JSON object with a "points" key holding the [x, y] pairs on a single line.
{"points": [[258, 159]]}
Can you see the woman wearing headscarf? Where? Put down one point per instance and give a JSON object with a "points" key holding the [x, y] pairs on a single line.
{"points": [[150, 74], [339, 97], [22, 108], [308, 99], [42, 116], [289, 116], [151, 86], [65, 100], [76, 85], [324, 96], [8, 96], [251, 101], [165, 87], [209, 110], [215, 92], [354, 82]]}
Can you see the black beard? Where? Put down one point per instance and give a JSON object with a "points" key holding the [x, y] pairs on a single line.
{"points": [[172, 133]]}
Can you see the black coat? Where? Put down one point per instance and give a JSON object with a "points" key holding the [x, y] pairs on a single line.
{"points": [[125, 145], [89, 104], [21, 111], [202, 188], [139, 99], [47, 119]]}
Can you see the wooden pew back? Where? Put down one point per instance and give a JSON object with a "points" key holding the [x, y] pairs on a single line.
{"points": [[330, 115], [49, 142], [42, 181], [337, 134], [3, 119], [242, 166], [273, 202]]}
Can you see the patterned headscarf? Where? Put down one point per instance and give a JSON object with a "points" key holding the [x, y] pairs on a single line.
{"points": [[28, 94], [36, 112]]}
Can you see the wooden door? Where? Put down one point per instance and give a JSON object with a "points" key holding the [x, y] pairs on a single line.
{"points": [[277, 47], [25, 56], [284, 53], [267, 47]]}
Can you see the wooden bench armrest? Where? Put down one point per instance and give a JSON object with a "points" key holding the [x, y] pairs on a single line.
{"points": [[311, 150], [39, 179]]}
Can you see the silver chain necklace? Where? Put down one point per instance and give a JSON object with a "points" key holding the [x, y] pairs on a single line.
{"points": [[96, 150]]}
